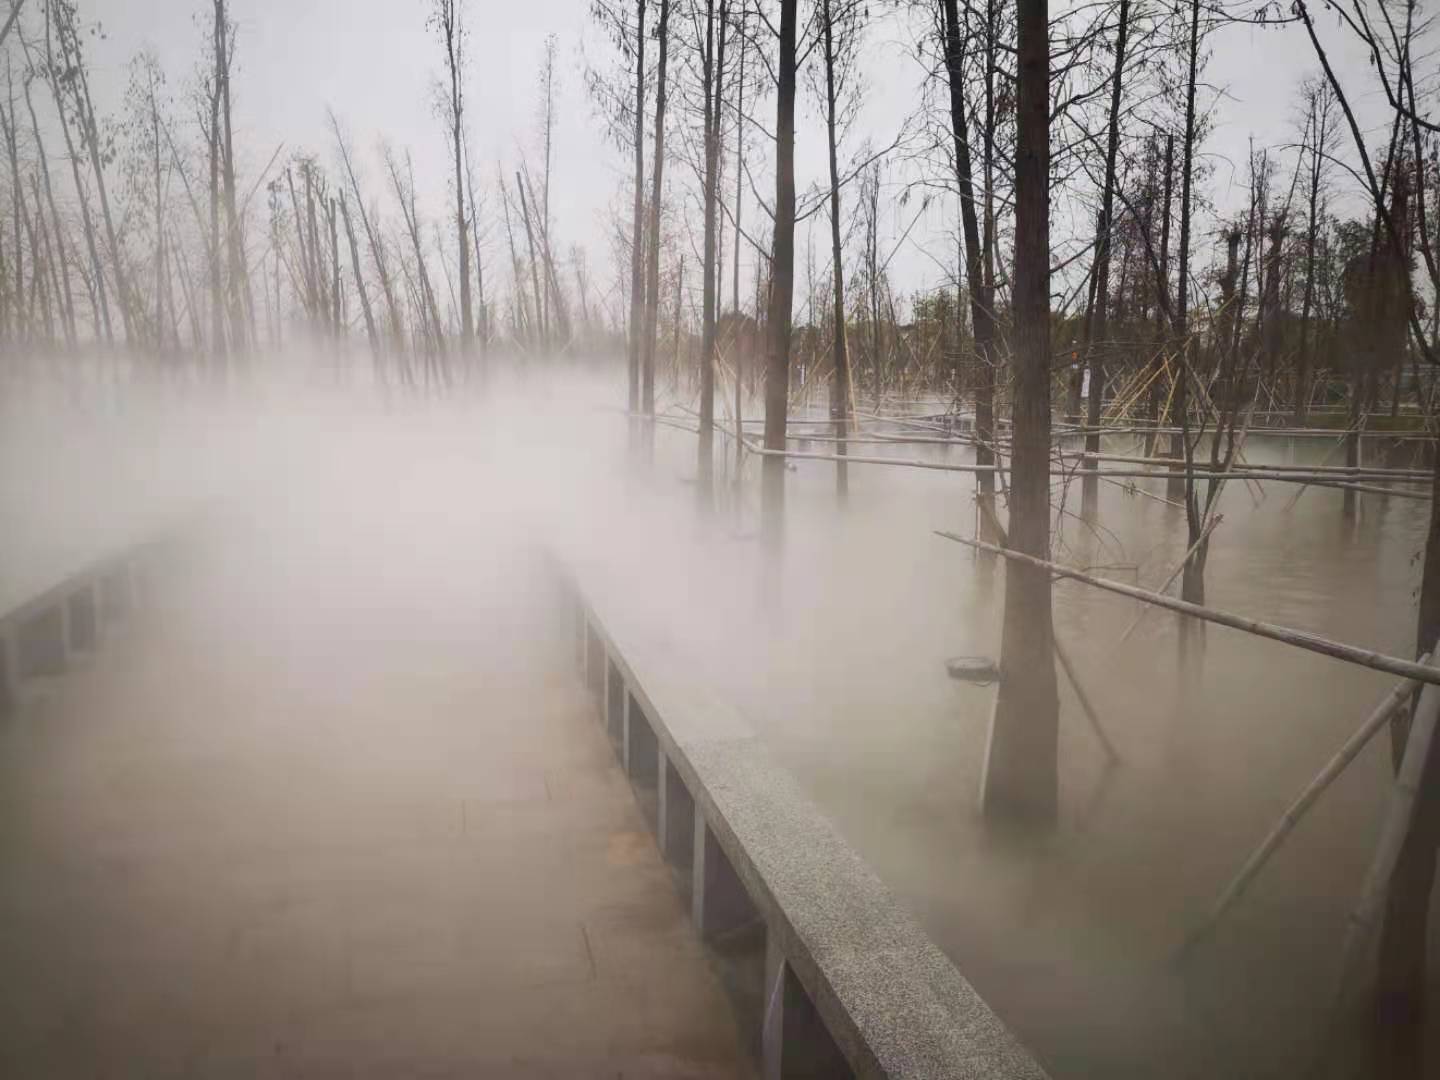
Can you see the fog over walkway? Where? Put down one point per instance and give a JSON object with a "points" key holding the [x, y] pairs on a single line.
{"points": [[318, 816]]}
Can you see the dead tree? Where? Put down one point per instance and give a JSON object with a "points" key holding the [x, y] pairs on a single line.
{"points": [[712, 77], [77, 78], [371, 334], [782, 286], [534, 263], [404, 187], [547, 116], [1021, 770], [839, 32], [637, 243], [446, 19], [652, 254], [376, 244], [524, 325], [1098, 329], [61, 251], [55, 71], [977, 253], [236, 273], [1192, 581], [1319, 126]]}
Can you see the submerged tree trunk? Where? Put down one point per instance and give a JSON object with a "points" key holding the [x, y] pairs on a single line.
{"points": [[982, 318], [738, 344], [1162, 296], [652, 265], [637, 236], [713, 73], [1401, 986], [840, 387], [782, 287], [1021, 770], [1097, 334], [1192, 581]]}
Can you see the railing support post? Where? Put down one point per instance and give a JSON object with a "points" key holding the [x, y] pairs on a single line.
{"points": [[9, 670], [676, 828], [718, 901], [82, 619], [794, 1042]]}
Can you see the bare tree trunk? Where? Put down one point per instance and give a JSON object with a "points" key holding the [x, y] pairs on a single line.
{"points": [[526, 327], [534, 262], [405, 195], [1192, 580], [1096, 334], [982, 319], [735, 279], [1021, 774], [217, 308], [782, 287], [482, 318], [558, 306], [18, 214], [1162, 293], [377, 249], [652, 267], [551, 282], [85, 110], [236, 272], [1401, 988], [840, 386], [371, 334], [637, 236], [713, 75], [62, 256], [334, 271]]}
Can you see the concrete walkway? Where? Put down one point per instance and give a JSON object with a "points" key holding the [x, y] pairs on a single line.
{"points": [[291, 828]]}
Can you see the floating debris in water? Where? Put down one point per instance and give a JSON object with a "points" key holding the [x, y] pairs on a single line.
{"points": [[980, 670]]}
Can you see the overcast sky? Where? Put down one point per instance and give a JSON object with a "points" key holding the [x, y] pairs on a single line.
{"points": [[375, 62]]}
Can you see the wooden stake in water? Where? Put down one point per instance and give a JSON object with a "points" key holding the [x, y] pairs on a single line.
{"points": [[1347, 753]]}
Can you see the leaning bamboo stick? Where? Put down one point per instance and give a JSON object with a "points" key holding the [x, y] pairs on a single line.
{"points": [[1340, 472], [1398, 695], [1060, 654], [1368, 658], [1089, 709], [1398, 813], [1150, 474], [1205, 532], [1135, 489]]}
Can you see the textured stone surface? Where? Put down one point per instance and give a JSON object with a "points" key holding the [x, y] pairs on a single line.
{"points": [[894, 1003]]}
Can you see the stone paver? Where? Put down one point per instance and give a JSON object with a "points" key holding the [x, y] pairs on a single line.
{"points": [[301, 832]]}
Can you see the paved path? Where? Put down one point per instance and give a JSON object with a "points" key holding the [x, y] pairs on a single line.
{"points": [[300, 829]]}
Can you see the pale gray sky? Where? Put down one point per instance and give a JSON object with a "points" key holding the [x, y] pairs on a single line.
{"points": [[375, 63]]}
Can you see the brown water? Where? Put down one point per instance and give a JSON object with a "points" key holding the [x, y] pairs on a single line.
{"points": [[1071, 936]]}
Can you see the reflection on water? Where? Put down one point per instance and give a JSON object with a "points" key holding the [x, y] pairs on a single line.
{"points": [[1070, 937]]}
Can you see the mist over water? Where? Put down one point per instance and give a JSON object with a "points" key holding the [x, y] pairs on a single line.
{"points": [[382, 549]]}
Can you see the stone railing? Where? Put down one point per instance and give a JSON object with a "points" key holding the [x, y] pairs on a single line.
{"points": [[852, 986], [46, 628]]}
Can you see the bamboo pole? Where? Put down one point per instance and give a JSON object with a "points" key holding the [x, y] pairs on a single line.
{"points": [[1340, 472], [1205, 532], [1151, 474], [1090, 714], [1395, 699], [1398, 813], [1367, 658]]}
